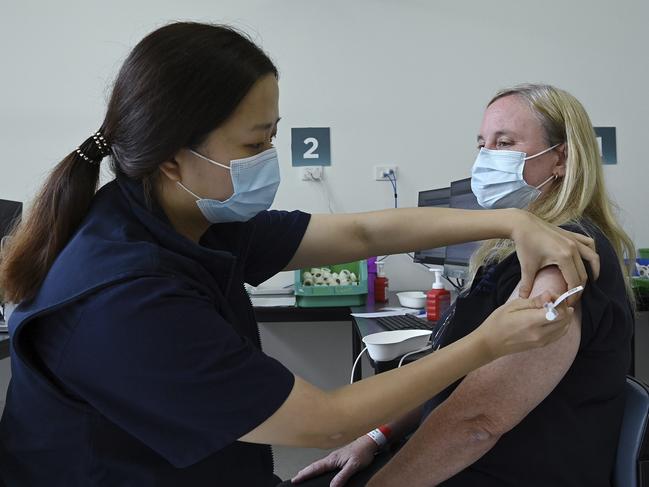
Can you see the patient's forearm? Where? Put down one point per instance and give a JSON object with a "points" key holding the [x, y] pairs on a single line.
{"points": [[443, 446], [489, 402]]}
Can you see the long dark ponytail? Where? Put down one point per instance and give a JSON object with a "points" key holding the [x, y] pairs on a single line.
{"points": [[178, 84]]}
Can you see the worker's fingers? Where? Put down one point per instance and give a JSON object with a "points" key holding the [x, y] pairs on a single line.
{"points": [[591, 256], [572, 268], [530, 303], [587, 249], [579, 265], [559, 327], [545, 297], [582, 274], [580, 238], [528, 273]]}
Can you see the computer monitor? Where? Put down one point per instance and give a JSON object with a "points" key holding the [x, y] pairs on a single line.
{"points": [[439, 198], [458, 256], [10, 212]]}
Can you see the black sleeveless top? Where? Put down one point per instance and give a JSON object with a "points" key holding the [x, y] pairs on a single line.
{"points": [[570, 438]]}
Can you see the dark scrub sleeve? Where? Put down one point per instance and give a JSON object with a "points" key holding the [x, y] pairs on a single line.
{"points": [[276, 236], [155, 357]]}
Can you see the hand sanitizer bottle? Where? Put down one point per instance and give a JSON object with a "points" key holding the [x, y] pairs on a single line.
{"points": [[381, 287], [438, 299]]}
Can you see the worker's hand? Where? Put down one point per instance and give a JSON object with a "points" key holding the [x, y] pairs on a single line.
{"points": [[351, 459], [539, 244], [521, 324]]}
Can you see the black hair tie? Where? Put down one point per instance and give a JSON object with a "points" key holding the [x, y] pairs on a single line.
{"points": [[94, 148]]}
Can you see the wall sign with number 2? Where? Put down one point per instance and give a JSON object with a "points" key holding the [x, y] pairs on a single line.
{"points": [[311, 146]]}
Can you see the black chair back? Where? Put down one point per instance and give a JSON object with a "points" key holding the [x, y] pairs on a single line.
{"points": [[632, 463]]}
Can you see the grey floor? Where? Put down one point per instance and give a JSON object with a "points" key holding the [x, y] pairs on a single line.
{"points": [[5, 375]]}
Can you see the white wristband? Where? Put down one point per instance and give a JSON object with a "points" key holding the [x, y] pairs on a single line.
{"points": [[378, 437]]}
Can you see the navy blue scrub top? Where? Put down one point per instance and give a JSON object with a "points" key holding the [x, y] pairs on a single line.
{"points": [[139, 361]]}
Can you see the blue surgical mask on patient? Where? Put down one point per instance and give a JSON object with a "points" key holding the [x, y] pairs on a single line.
{"points": [[255, 181], [497, 179]]}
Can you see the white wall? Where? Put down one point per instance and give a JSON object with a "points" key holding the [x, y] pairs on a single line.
{"points": [[399, 82]]}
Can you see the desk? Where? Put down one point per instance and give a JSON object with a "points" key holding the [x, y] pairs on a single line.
{"points": [[365, 326], [639, 367], [293, 314], [359, 326]]}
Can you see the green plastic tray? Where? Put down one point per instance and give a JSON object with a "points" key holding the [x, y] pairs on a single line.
{"points": [[333, 296]]}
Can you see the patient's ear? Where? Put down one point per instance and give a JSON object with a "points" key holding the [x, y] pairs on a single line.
{"points": [[559, 169]]}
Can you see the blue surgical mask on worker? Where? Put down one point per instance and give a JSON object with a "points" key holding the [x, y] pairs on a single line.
{"points": [[255, 181], [497, 179]]}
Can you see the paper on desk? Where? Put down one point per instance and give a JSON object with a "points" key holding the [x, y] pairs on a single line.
{"points": [[378, 314], [272, 301], [410, 311]]}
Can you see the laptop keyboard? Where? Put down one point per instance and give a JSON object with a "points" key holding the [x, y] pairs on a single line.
{"points": [[405, 322]]}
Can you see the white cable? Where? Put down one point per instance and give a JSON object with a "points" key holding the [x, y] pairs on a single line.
{"points": [[351, 380], [412, 353]]}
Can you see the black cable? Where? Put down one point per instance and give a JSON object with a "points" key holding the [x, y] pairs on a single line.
{"points": [[456, 286], [390, 177], [393, 180]]}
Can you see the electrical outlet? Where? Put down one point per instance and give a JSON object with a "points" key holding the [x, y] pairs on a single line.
{"points": [[381, 172], [311, 173]]}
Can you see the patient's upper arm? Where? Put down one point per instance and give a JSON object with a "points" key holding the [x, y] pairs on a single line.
{"points": [[506, 390]]}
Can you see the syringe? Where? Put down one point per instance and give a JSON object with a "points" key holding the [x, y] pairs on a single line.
{"points": [[550, 311]]}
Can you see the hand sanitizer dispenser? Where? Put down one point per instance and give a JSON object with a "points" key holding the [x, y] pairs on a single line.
{"points": [[438, 299]]}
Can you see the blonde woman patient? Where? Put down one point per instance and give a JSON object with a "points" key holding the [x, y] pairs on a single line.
{"points": [[546, 417]]}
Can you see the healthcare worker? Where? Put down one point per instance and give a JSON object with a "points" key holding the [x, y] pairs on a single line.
{"points": [[136, 358]]}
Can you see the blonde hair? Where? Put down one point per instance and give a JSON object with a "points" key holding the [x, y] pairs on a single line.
{"points": [[581, 192]]}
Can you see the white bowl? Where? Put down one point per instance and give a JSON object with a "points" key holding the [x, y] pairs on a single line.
{"points": [[388, 345], [412, 299]]}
